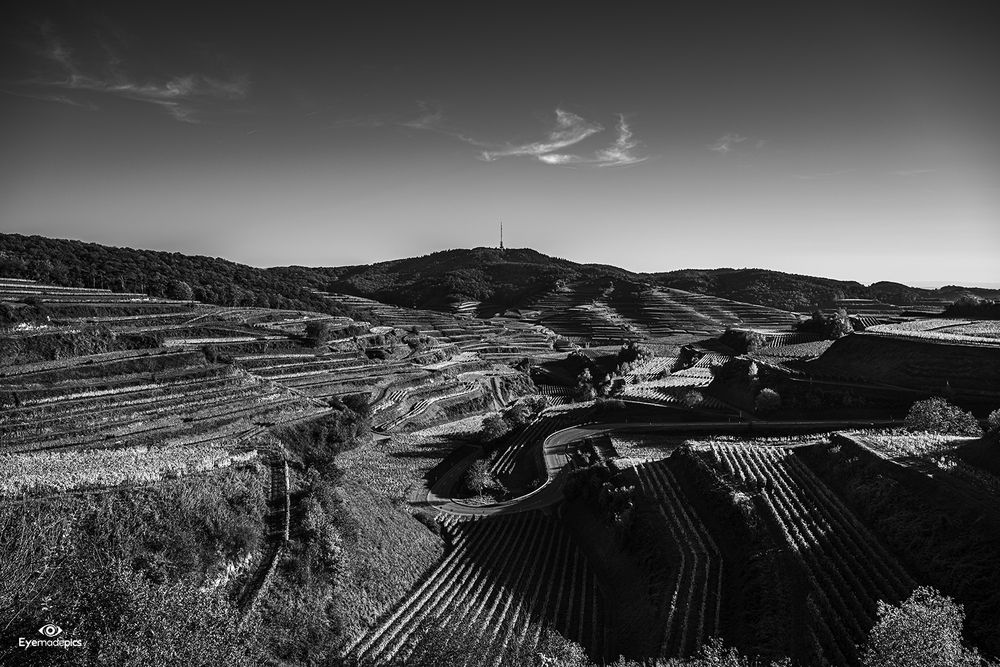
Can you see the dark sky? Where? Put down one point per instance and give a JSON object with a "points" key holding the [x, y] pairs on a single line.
{"points": [[853, 140]]}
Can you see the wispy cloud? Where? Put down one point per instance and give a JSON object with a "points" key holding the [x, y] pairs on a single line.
{"points": [[554, 149], [430, 118], [726, 143], [569, 131], [44, 97], [621, 153], [912, 172], [375, 120], [184, 97], [822, 175]]}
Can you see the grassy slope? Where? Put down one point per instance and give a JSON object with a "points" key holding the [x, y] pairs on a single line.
{"points": [[355, 547], [383, 557], [97, 564]]}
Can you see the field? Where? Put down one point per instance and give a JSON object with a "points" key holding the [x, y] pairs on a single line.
{"points": [[845, 569], [315, 475], [612, 311], [504, 575]]}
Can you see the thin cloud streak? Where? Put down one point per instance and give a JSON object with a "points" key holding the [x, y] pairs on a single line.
{"points": [[183, 97], [912, 172], [726, 143], [430, 118], [620, 154], [570, 130], [828, 174], [44, 97]]}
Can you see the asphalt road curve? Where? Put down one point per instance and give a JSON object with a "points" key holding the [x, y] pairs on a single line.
{"points": [[558, 446]]}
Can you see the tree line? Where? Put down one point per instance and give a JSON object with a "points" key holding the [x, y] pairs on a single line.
{"points": [[161, 274]]}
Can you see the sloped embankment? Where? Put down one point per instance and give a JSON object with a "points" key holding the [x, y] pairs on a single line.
{"points": [[913, 363]]}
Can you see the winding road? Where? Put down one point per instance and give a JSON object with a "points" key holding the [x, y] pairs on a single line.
{"points": [[557, 448]]}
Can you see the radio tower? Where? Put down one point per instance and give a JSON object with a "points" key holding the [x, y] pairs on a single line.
{"points": [[501, 234]]}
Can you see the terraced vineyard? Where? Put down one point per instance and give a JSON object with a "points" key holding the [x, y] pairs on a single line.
{"points": [[104, 393], [502, 580], [846, 568], [497, 337], [690, 607], [604, 311]]}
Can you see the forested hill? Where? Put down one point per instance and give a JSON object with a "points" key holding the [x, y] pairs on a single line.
{"points": [[801, 293], [509, 277], [207, 279]]}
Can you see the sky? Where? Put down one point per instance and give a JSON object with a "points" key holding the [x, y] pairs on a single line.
{"points": [[849, 140]]}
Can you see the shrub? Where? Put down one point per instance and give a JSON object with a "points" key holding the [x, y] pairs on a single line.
{"points": [[476, 477], [211, 353], [937, 415], [692, 399], [924, 631], [494, 428], [768, 400], [631, 352], [181, 290], [742, 340], [317, 332], [993, 423], [832, 326], [739, 370], [584, 389], [140, 623]]}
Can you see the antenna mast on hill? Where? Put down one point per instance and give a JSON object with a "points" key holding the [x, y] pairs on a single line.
{"points": [[501, 234]]}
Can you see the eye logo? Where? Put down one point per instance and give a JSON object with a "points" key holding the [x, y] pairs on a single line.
{"points": [[50, 630]]}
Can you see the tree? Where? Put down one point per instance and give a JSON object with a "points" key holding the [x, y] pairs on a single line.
{"points": [[832, 326], [494, 427], [477, 477], [768, 400], [181, 290], [937, 415], [924, 631], [584, 389], [838, 324], [742, 340], [692, 399], [317, 332]]}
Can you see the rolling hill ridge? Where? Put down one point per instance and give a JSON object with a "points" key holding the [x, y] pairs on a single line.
{"points": [[511, 278]]}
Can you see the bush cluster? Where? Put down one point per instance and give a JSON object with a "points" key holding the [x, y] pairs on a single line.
{"points": [[832, 326], [936, 415]]}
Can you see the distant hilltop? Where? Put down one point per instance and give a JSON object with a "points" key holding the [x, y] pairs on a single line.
{"points": [[509, 278]]}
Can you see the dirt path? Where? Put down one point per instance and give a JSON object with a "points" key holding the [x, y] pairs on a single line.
{"points": [[276, 524]]}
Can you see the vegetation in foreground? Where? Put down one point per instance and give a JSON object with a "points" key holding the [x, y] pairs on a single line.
{"points": [[141, 576], [925, 630]]}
